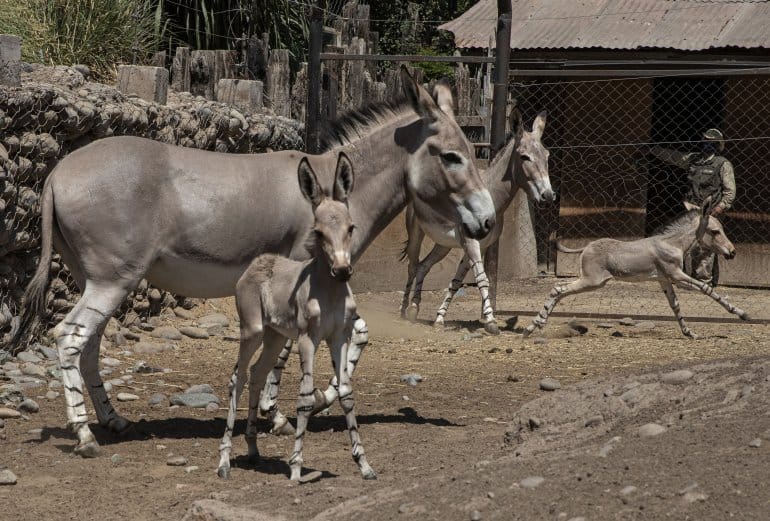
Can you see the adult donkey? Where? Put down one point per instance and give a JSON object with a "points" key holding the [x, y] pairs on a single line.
{"points": [[125, 208], [522, 164]]}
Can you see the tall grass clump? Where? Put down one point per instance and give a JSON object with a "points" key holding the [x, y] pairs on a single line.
{"points": [[98, 33]]}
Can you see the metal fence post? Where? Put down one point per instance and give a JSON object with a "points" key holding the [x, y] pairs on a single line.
{"points": [[313, 112], [497, 135]]}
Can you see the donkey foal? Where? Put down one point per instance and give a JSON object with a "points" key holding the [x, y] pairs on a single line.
{"points": [[279, 298], [659, 257]]}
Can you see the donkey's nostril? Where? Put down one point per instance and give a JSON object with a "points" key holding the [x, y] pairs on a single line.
{"points": [[488, 225]]}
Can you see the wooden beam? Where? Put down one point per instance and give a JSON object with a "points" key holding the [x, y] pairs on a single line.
{"points": [[313, 112], [406, 58]]}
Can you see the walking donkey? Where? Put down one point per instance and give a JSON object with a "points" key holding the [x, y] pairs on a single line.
{"points": [[190, 221], [659, 257], [308, 301], [522, 164]]}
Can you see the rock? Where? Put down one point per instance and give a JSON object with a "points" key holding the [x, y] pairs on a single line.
{"points": [[549, 384], [111, 362], [149, 348], [6, 413], [651, 429], [157, 399], [411, 379], [7, 477], [127, 397], [200, 388], [617, 334], [630, 489], [29, 405], [531, 482], [184, 313], [539, 340], [195, 400], [116, 459], [605, 325], [191, 468], [166, 333], [130, 335], [593, 421], [213, 319], [49, 352], [512, 378], [212, 407], [176, 461], [471, 336], [475, 515], [755, 443], [627, 321], [214, 510], [676, 377], [51, 395], [107, 387], [28, 356], [692, 497], [32, 369], [194, 332], [141, 367]]}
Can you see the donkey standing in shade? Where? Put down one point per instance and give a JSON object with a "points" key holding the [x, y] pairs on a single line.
{"points": [[308, 301], [660, 257], [522, 164], [125, 208]]}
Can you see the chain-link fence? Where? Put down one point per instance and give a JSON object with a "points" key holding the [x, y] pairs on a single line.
{"points": [[56, 112], [605, 137]]}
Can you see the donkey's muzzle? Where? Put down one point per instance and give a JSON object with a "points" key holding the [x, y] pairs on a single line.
{"points": [[731, 254], [480, 231], [342, 273], [548, 196]]}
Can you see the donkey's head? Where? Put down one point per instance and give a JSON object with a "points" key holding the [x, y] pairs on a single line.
{"points": [[710, 233], [532, 157], [441, 174], [333, 226]]}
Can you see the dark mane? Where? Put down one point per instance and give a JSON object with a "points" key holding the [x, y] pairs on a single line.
{"points": [[678, 223], [353, 123]]}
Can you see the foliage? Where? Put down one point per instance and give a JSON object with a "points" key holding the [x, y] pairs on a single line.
{"points": [[98, 33], [409, 27], [219, 24]]}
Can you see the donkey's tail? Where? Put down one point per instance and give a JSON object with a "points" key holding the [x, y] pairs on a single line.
{"points": [[33, 304], [564, 249], [403, 254]]}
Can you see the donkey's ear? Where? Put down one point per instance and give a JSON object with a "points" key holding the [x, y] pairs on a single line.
{"points": [[442, 95], [308, 183], [418, 97], [343, 179], [690, 207], [515, 121], [539, 125], [708, 205]]}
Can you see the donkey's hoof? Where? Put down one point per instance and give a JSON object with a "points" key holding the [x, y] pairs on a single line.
{"points": [[224, 472], [369, 474], [439, 324], [692, 336], [491, 328], [528, 331], [88, 450], [744, 316], [119, 426], [412, 312], [284, 429], [319, 402]]}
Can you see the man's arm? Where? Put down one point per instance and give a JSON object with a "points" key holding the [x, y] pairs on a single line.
{"points": [[673, 157], [728, 187]]}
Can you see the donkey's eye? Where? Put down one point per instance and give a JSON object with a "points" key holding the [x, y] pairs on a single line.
{"points": [[451, 158], [525, 157], [351, 228]]}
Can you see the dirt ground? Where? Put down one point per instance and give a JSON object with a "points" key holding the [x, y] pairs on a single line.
{"points": [[459, 445]]}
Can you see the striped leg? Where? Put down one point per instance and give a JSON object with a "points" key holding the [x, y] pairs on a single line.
{"points": [[686, 281], [105, 412], [268, 402], [355, 349], [473, 249], [251, 337], [75, 335], [273, 343], [559, 292], [415, 236], [668, 290], [454, 287], [423, 268], [305, 402], [339, 351]]}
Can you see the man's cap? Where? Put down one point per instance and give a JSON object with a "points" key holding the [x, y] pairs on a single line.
{"points": [[713, 134]]}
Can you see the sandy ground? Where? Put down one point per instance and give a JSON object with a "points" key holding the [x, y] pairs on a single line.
{"points": [[456, 446]]}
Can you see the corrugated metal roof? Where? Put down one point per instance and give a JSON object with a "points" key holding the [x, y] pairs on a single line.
{"points": [[691, 25]]}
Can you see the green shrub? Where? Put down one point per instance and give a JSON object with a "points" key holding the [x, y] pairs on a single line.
{"points": [[98, 33]]}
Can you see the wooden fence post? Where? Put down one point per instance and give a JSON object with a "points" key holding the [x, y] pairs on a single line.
{"points": [[313, 112], [497, 135]]}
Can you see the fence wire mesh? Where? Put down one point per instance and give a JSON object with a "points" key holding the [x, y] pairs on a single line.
{"points": [[605, 137]]}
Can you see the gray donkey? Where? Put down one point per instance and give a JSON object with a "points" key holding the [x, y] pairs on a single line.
{"points": [[279, 298], [660, 257], [522, 164]]}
